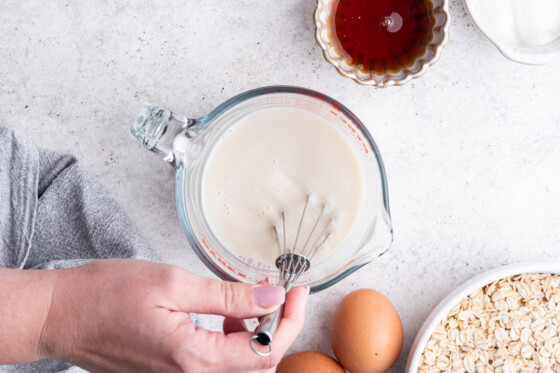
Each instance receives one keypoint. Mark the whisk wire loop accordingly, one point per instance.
(316, 246)
(303, 252)
(300, 224)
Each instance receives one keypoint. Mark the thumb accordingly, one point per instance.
(233, 299)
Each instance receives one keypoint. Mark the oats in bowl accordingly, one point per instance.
(510, 325)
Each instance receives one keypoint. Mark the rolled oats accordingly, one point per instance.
(510, 325)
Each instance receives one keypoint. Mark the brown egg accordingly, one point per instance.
(309, 362)
(366, 332)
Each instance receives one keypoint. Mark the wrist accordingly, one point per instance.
(70, 317)
(60, 323)
(47, 339)
(25, 302)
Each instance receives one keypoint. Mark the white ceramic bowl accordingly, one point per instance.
(443, 308)
(526, 54)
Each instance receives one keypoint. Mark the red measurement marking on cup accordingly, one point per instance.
(316, 107)
(208, 247)
(356, 133)
(220, 260)
(279, 100)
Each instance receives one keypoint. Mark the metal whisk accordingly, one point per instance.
(291, 263)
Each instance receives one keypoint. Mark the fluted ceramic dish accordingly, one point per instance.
(443, 308)
(526, 54)
(324, 22)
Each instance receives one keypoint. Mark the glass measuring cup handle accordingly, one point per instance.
(156, 129)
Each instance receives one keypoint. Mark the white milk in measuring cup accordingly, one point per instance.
(268, 163)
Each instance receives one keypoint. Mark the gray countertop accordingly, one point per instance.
(472, 149)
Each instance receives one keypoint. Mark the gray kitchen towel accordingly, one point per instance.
(54, 214)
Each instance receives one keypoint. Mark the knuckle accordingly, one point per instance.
(229, 295)
(169, 279)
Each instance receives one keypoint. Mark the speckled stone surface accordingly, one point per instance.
(472, 149)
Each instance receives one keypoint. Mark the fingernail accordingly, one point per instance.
(268, 296)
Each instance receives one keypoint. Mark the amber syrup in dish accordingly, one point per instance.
(383, 36)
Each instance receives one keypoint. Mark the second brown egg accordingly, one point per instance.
(366, 332)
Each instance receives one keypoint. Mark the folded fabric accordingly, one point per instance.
(54, 214)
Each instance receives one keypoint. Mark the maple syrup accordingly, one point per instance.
(383, 36)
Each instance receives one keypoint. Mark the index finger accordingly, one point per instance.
(292, 320)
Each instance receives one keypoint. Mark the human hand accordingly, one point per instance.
(133, 316)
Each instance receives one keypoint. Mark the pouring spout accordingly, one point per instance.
(156, 129)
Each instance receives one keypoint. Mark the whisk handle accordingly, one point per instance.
(266, 330)
(268, 325)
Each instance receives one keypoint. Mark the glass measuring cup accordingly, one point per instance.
(187, 143)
